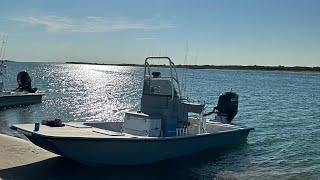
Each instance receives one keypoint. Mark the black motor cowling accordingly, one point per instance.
(24, 82)
(227, 105)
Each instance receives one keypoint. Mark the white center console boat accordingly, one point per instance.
(162, 129)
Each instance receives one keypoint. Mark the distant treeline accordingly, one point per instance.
(226, 67)
(7, 61)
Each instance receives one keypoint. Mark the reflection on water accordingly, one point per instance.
(80, 92)
(283, 107)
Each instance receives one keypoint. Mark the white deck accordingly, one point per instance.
(72, 130)
(87, 131)
(14, 94)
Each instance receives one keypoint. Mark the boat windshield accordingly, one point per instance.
(165, 82)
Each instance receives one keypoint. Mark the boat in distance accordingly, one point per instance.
(166, 126)
(23, 95)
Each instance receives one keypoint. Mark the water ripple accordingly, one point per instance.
(282, 107)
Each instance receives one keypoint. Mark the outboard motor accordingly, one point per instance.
(24, 82)
(227, 107)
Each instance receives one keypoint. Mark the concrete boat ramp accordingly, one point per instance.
(15, 156)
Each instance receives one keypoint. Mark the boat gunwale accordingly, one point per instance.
(134, 138)
(19, 95)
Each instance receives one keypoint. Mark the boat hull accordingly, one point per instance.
(111, 151)
(7, 101)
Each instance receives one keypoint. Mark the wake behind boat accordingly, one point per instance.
(167, 126)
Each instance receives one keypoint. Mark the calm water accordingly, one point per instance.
(283, 107)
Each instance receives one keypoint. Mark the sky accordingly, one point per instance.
(214, 32)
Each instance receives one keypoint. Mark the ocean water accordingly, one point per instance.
(283, 107)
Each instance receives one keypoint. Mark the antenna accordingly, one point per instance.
(195, 58)
(3, 49)
(184, 82)
(2, 64)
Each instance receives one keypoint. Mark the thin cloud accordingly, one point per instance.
(145, 38)
(92, 24)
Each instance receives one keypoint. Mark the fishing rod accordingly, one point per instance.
(3, 66)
